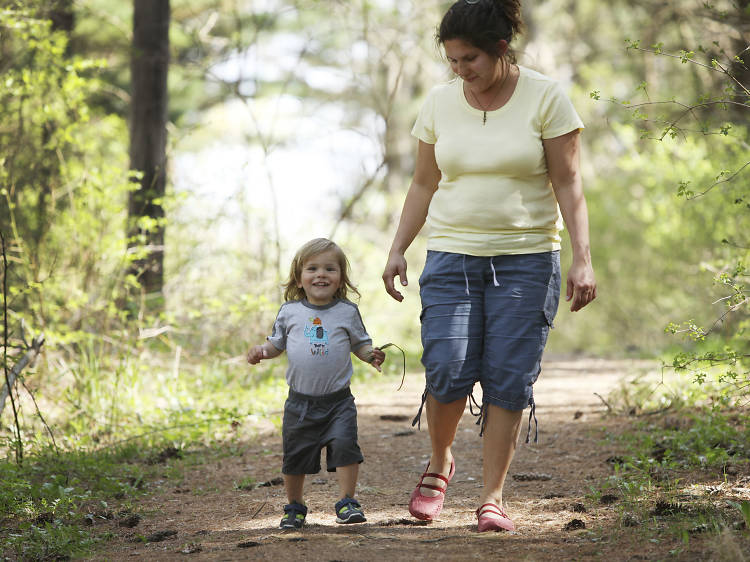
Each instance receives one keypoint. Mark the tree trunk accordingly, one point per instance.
(148, 139)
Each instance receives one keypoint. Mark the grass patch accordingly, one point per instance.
(51, 502)
(684, 473)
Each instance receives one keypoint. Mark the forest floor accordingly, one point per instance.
(200, 511)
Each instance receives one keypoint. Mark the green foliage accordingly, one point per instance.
(130, 416)
(148, 393)
(50, 541)
(666, 474)
(667, 157)
(64, 186)
(744, 508)
(709, 440)
(46, 502)
(246, 483)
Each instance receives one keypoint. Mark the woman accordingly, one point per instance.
(497, 163)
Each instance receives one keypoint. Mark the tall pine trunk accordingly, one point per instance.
(148, 139)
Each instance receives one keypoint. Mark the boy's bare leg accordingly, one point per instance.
(294, 484)
(347, 476)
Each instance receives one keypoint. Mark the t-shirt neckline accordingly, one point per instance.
(465, 103)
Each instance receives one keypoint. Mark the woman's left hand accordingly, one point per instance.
(581, 285)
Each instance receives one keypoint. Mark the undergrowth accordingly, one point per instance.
(49, 503)
(686, 467)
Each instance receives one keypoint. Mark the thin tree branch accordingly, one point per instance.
(347, 210)
(682, 58)
(41, 417)
(8, 381)
(717, 182)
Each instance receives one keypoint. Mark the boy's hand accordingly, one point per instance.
(255, 354)
(376, 357)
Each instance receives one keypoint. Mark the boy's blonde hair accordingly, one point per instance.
(312, 248)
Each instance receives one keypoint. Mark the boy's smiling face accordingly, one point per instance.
(320, 278)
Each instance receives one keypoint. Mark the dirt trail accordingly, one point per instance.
(215, 521)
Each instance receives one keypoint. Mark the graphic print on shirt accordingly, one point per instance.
(318, 336)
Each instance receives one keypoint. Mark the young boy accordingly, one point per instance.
(319, 329)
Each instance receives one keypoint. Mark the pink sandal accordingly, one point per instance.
(487, 523)
(427, 508)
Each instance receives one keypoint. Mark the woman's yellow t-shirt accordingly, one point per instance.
(495, 196)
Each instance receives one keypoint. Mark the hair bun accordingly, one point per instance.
(511, 10)
(483, 23)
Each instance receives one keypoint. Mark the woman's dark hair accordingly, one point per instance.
(482, 23)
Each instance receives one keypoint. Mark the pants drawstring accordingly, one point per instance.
(481, 414)
(466, 277)
(494, 275)
(482, 421)
(473, 402)
(418, 418)
(536, 423)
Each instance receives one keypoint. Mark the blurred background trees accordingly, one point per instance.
(289, 119)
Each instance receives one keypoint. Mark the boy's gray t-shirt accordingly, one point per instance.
(318, 341)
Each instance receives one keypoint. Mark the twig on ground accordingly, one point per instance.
(257, 511)
(655, 412)
(599, 396)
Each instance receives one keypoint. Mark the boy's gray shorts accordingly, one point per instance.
(313, 422)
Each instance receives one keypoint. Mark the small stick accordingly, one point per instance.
(609, 408)
(258, 510)
(403, 356)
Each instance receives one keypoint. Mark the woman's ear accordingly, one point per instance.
(502, 47)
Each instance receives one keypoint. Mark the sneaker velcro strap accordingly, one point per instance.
(344, 502)
(295, 508)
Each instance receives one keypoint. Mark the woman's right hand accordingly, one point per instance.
(422, 188)
(396, 265)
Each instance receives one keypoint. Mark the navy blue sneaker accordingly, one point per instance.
(348, 510)
(294, 516)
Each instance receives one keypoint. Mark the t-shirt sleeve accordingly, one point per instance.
(358, 335)
(278, 334)
(424, 127)
(558, 116)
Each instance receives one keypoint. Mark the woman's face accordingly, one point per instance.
(477, 68)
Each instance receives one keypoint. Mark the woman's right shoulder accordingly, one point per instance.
(439, 94)
(442, 89)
